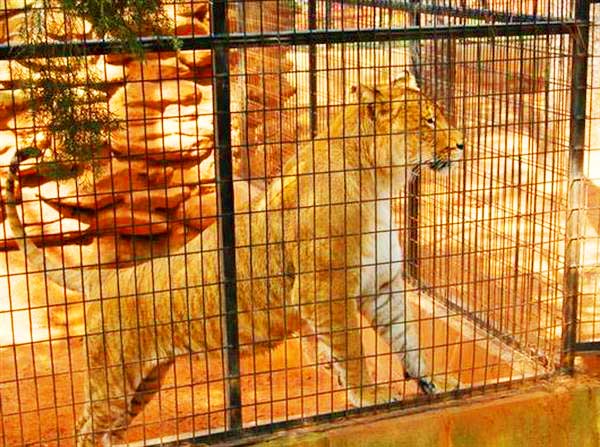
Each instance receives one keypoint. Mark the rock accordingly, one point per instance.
(110, 73)
(190, 27)
(157, 199)
(198, 211)
(61, 26)
(196, 58)
(8, 143)
(46, 225)
(69, 193)
(188, 18)
(199, 10)
(196, 175)
(173, 139)
(157, 67)
(120, 58)
(12, 101)
(157, 176)
(122, 176)
(10, 29)
(126, 221)
(167, 120)
(21, 122)
(54, 239)
(63, 231)
(11, 72)
(271, 90)
(12, 6)
(202, 110)
(33, 212)
(276, 58)
(147, 99)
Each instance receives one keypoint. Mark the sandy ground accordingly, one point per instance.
(41, 384)
(42, 396)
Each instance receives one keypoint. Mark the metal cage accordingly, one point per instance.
(499, 256)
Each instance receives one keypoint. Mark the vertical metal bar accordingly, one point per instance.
(415, 45)
(328, 8)
(414, 185)
(412, 244)
(312, 67)
(224, 180)
(580, 40)
(449, 94)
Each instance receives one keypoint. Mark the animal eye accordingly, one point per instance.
(430, 120)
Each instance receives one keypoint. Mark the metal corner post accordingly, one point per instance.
(312, 67)
(414, 185)
(580, 41)
(225, 203)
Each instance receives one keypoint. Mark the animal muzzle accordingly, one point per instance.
(445, 157)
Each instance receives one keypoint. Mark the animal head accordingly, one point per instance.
(408, 128)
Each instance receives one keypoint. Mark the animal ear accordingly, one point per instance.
(366, 96)
(407, 80)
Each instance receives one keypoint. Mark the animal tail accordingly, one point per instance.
(67, 278)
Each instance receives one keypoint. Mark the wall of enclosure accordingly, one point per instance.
(500, 253)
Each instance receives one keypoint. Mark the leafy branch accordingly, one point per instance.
(67, 97)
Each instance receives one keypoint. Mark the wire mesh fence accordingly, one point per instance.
(307, 209)
(588, 318)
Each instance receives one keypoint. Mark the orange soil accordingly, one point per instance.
(41, 387)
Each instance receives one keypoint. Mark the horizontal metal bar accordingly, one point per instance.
(484, 14)
(252, 435)
(305, 37)
(587, 348)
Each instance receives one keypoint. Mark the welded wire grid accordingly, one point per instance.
(484, 245)
(589, 330)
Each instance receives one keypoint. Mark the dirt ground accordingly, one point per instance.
(41, 383)
(43, 396)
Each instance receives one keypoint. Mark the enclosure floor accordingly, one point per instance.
(41, 384)
(41, 398)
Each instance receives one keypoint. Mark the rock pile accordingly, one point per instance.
(155, 188)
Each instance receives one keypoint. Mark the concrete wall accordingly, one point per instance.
(564, 412)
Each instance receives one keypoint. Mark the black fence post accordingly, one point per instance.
(580, 42)
(312, 67)
(414, 184)
(225, 204)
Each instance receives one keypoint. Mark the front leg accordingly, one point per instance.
(335, 320)
(387, 313)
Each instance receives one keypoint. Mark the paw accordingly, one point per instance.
(86, 440)
(443, 384)
(427, 387)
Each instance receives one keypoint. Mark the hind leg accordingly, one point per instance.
(116, 390)
(105, 413)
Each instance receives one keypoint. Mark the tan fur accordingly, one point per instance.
(319, 250)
